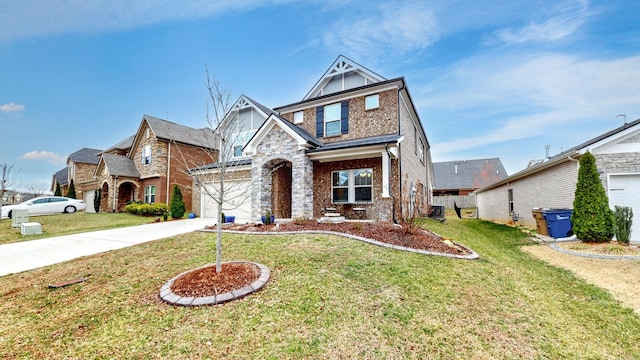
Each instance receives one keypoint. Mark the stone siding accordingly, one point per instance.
(275, 148)
(619, 163)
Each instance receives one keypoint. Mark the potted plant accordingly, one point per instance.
(268, 218)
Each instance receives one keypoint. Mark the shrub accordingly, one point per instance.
(146, 209)
(624, 220)
(71, 193)
(96, 200)
(592, 219)
(177, 204)
(58, 191)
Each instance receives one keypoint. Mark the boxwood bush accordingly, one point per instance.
(147, 209)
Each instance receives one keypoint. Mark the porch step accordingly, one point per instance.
(331, 214)
(332, 219)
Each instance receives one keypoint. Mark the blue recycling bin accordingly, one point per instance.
(558, 222)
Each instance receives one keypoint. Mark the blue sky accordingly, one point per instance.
(489, 78)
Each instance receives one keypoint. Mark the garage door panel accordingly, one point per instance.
(624, 190)
(238, 201)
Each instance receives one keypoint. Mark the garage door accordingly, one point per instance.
(88, 201)
(238, 201)
(624, 190)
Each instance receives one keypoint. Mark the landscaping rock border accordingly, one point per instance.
(557, 248)
(170, 297)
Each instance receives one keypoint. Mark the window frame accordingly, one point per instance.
(351, 186)
(146, 155)
(510, 201)
(150, 194)
(298, 117)
(338, 120)
(366, 102)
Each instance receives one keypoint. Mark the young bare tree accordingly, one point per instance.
(215, 167)
(37, 189)
(8, 179)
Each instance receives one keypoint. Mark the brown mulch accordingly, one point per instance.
(206, 282)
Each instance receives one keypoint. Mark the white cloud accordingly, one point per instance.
(11, 107)
(566, 20)
(399, 28)
(29, 18)
(516, 97)
(48, 156)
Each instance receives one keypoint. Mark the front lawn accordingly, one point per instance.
(65, 224)
(329, 297)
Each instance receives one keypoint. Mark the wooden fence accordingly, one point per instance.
(463, 201)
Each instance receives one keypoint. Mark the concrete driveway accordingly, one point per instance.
(27, 255)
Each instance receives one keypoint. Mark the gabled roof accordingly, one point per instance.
(85, 155)
(245, 102)
(303, 138)
(62, 176)
(467, 174)
(229, 164)
(123, 144)
(348, 73)
(564, 156)
(118, 165)
(170, 131)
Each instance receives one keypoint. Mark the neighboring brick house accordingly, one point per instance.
(146, 166)
(552, 183)
(466, 176)
(80, 168)
(354, 143)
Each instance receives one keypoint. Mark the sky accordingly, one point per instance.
(489, 78)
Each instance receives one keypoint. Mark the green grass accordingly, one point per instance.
(329, 297)
(64, 224)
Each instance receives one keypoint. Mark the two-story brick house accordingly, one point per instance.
(354, 143)
(80, 167)
(146, 166)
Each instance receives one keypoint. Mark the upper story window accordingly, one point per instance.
(352, 186)
(146, 133)
(420, 150)
(298, 117)
(332, 119)
(146, 155)
(371, 102)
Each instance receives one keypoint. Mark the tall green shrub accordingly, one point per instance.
(177, 204)
(592, 219)
(624, 220)
(96, 199)
(71, 193)
(58, 191)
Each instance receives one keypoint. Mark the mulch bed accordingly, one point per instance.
(207, 282)
(420, 239)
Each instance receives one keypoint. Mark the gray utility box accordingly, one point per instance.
(31, 228)
(19, 216)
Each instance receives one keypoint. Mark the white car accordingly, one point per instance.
(45, 205)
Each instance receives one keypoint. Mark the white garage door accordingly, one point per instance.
(88, 201)
(238, 201)
(624, 190)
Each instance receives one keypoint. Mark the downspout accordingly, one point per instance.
(168, 172)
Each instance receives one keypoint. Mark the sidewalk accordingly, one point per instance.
(27, 255)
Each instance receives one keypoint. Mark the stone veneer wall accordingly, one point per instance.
(278, 146)
(619, 163)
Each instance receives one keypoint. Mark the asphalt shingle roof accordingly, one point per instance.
(466, 174)
(373, 140)
(85, 155)
(168, 130)
(120, 165)
(62, 176)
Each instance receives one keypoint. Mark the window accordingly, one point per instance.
(150, 194)
(298, 117)
(352, 186)
(371, 102)
(146, 155)
(510, 195)
(420, 150)
(332, 119)
(240, 140)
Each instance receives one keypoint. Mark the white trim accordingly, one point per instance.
(341, 66)
(386, 173)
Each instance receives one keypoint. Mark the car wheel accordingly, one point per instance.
(70, 209)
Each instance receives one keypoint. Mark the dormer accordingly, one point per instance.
(242, 121)
(343, 74)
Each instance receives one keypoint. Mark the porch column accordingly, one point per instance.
(386, 165)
